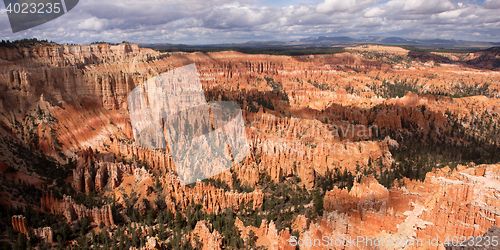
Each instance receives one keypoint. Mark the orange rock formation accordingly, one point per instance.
(448, 203)
(19, 224)
(210, 240)
(72, 211)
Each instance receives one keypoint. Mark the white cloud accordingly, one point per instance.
(92, 23)
(492, 4)
(329, 6)
(450, 14)
(418, 6)
(427, 6)
(225, 21)
(374, 12)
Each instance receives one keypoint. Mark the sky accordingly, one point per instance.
(229, 21)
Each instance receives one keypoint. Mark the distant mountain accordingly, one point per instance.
(419, 43)
(326, 41)
(162, 45)
(386, 40)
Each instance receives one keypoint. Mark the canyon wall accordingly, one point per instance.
(448, 203)
(304, 116)
(45, 234)
(72, 211)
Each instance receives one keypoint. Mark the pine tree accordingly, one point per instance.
(318, 203)
(135, 238)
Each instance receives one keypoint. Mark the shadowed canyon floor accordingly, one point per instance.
(376, 142)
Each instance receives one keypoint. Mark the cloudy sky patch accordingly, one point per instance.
(229, 21)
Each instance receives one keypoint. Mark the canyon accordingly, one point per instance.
(352, 116)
